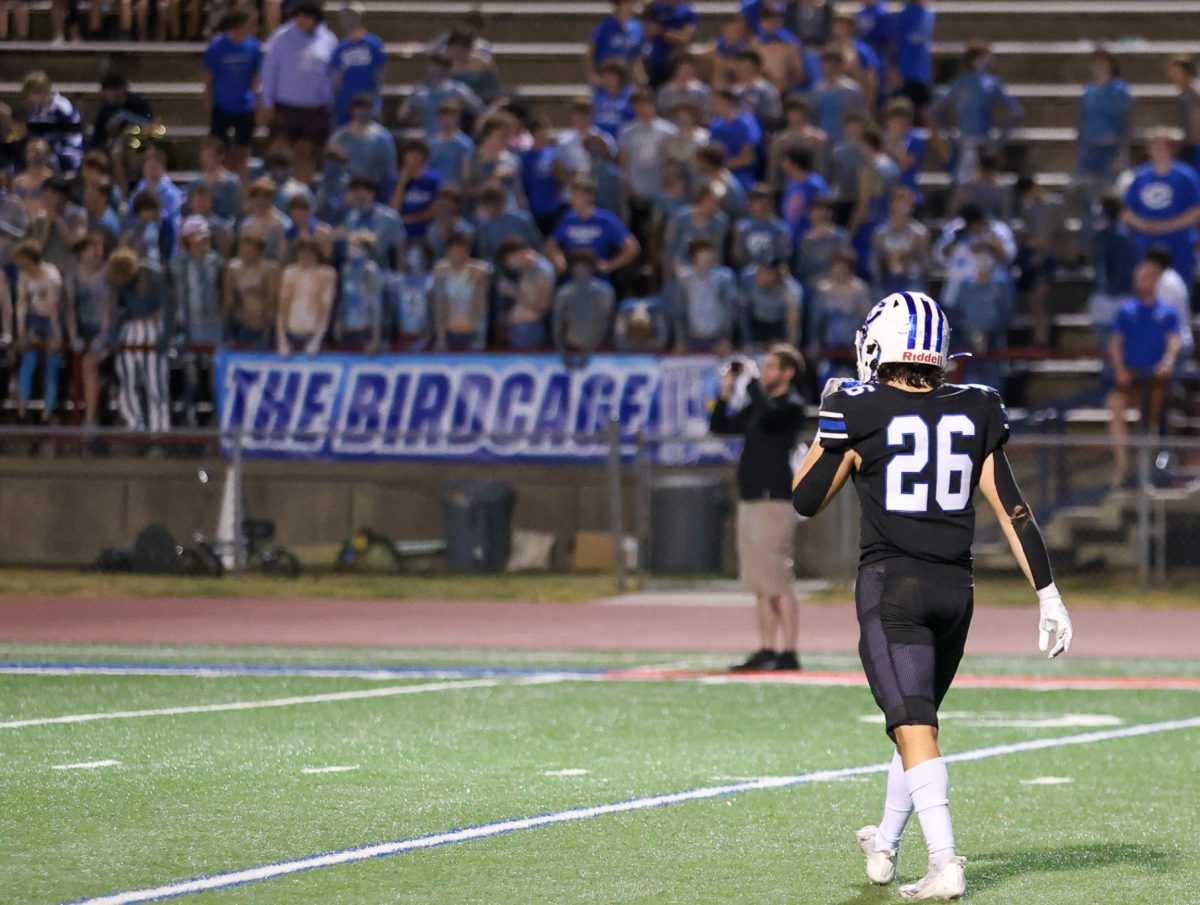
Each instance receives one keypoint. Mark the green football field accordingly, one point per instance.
(227, 775)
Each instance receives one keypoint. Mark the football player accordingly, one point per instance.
(916, 448)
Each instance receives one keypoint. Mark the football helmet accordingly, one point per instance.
(905, 327)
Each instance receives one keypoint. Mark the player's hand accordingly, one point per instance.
(1054, 627)
(833, 384)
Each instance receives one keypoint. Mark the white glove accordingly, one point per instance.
(833, 384)
(1054, 623)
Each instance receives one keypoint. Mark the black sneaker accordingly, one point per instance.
(786, 660)
(758, 661)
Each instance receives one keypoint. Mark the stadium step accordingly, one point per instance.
(1064, 20)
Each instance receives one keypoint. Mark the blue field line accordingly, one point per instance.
(487, 830)
(49, 667)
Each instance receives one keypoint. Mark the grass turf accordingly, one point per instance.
(203, 793)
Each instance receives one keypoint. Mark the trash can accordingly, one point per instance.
(687, 524)
(477, 525)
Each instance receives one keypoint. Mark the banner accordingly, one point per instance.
(483, 407)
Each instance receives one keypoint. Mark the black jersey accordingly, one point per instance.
(922, 453)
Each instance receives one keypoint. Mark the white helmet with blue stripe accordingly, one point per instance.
(907, 327)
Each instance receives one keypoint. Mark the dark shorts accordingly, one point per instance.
(240, 124)
(913, 618)
(301, 123)
(1031, 271)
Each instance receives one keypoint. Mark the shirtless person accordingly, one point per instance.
(251, 295)
(306, 298)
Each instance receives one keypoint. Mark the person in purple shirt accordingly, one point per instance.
(617, 37)
(610, 98)
(232, 63)
(416, 188)
(912, 52)
(297, 89)
(670, 26)
(586, 226)
(739, 134)
(1142, 351)
(357, 63)
(1162, 204)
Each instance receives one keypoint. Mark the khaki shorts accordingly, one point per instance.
(766, 538)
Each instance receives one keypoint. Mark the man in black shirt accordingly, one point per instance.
(121, 108)
(771, 422)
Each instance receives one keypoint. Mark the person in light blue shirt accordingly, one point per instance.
(835, 96)
(358, 321)
(912, 52)
(761, 236)
(370, 148)
(905, 144)
(670, 26)
(703, 302)
(357, 64)
(450, 147)
(1105, 122)
(409, 318)
(437, 88)
(1162, 205)
(331, 188)
(967, 107)
(363, 212)
(619, 36)
(702, 219)
(497, 221)
(739, 134)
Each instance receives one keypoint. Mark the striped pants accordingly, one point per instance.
(144, 399)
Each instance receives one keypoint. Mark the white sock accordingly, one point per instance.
(929, 786)
(896, 808)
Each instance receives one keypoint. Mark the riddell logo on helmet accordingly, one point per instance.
(925, 358)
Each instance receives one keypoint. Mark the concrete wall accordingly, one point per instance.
(64, 511)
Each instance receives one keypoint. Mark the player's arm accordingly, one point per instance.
(820, 477)
(999, 486)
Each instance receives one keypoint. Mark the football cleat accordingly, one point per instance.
(881, 866)
(942, 885)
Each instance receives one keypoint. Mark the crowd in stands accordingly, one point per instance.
(702, 198)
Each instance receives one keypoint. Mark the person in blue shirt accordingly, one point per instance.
(1162, 204)
(785, 60)
(670, 27)
(912, 52)
(619, 36)
(357, 64)
(1142, 350)
(801, 188)
(416, 188)
(232, 63)
(542, 177)
(1114, 257)
(586, 226)
(739, 134)
(967, 108)
(409, 318)
(874, 24)
(611, 108)
(861, 63)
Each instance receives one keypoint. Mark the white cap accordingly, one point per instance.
(194, 226)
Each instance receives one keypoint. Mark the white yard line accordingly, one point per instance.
(487, 830)
(332, 697)
(87, 765)
(315, 770)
